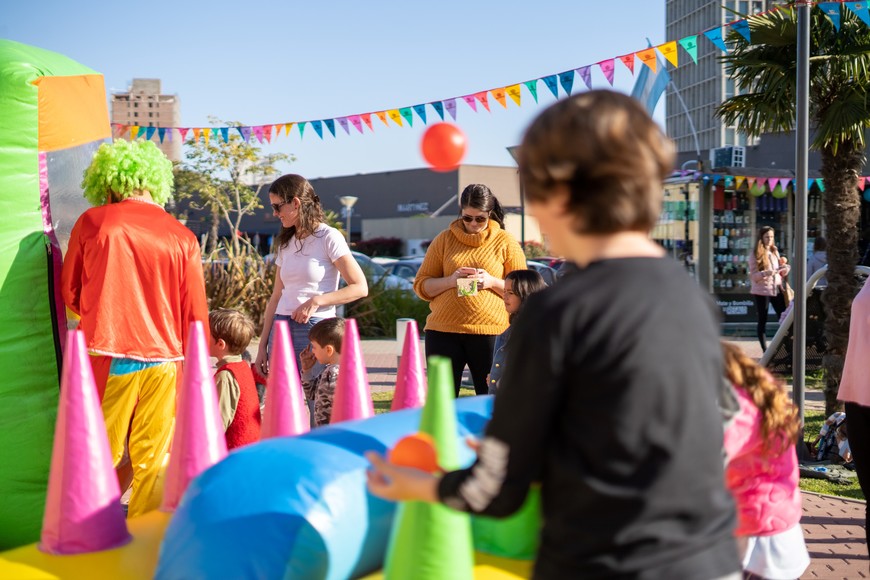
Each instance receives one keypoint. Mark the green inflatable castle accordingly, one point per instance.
(53, 116)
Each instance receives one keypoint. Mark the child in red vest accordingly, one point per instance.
(231, 332)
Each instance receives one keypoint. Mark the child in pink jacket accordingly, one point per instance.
(762, 472)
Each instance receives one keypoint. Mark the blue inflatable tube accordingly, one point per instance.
(296, 507)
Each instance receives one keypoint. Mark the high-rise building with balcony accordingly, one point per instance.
(705, 85)
(145, 106)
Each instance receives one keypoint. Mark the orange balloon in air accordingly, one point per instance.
(443, 146)
(417, 450)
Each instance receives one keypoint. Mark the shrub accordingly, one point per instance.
(376, 314)
(534, 250)
(380, 247)
(241, 280)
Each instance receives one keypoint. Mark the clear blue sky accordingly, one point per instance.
(273, 62)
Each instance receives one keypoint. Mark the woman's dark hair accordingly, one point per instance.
(288, 187)
(481, 198)
(820, 244)
(525, 283)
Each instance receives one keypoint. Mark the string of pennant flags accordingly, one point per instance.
(401, 116)
(762, 184)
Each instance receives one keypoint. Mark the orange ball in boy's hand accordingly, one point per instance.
(417, 450)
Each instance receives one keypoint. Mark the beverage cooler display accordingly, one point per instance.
(732, 241)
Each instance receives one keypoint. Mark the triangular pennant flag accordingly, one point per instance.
(469, 100)
(267, 132)
(421, 112)
(258, 133)
(607, 67)
(761, 182)
(861, 183)
(356, 121)
(742, 27)
(481, 96)
(367, 119)
(330, 124)
(669, 51)
(382, 115)
(585, 73)
(772, 183)
(715, 36)
(552, 83)
(533, 88)
(566, 79)
(149, 132)
(134, 131)
(278, 127)
(832, 11)
(396, 116)
(318, 128)
(690, 45)
(195, 134)
(750, 182)
(246, 133)
(450, 105)
(439, 108)
(821, 184)
(206, 135)
(408, 115)
(738, 181)
(342, 121)
(161, 132)
(515, 93)
(287, 127)
(628, 61)
(499, 95)
(648, 57)
(729, 181)
(225, 133)
(302, 128)
(810, 183)
(183, 132)
(861, 11)
(716, 178)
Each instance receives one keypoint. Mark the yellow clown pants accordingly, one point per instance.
(139, 410)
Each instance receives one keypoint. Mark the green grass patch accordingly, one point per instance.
(383, 400)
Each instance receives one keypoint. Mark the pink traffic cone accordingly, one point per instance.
(199, 440)
(410, 379)
(83, 510)
(286, 412)
(353, 397)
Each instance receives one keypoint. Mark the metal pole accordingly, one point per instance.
(800, 240)
(350, 209)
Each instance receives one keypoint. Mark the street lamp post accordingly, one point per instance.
(347, 201)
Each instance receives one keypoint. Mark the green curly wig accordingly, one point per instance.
(122, 168)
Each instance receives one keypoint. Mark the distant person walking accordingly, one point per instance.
(818, 260)
(767, 270)
(475, 251)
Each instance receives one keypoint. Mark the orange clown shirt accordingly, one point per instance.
(134, 275)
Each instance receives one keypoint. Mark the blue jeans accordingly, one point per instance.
(299, 337)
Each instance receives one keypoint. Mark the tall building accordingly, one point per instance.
(145, 106)
(705, 85)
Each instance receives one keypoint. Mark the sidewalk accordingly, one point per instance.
(833, 527)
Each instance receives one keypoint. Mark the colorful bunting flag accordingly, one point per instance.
(343, 122)
(149, 132)
(648, 57)
(469, 100)
(267, 132)
(585, 73)
(439, 108)
(499, 95)
(515, 93)
(481, 96)
(196, 134)
(566, 79)
(738, 180)
(669, 51)
(861, 11)
(161, 132)
(318, 128)
(382, 115)
(367, 119)
(607, 67)
(408, 115)
(356, 122)
(183, 131)
(450, 105)
(741, 27)
(287, 127)
(715, 36)
(258, 133)
(628, 61)
(396, 116)
(533, 88)
(205, 136)
(421, 112)
(552, 84)
(690, 45)
(225, 133)
(330, 124)
(832, 11)
(302, 128)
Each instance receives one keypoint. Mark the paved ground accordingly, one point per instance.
(833, 527)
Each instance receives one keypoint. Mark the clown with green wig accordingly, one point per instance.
(133, 274)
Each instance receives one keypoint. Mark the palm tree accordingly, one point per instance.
(765, 71)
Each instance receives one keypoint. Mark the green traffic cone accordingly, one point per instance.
(432, 541)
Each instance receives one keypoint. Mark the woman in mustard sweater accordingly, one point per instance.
(467, 316)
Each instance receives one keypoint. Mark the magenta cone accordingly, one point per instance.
(286, 412)
(353, 398)
(410, 379)
(199, 440)
(83, 510)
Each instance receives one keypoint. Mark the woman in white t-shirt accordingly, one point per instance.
(310, 258)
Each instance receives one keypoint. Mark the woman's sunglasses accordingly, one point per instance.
(471, 218)
(277, 206)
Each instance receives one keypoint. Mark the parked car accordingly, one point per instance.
(546, 272)
(406, 268)
(375, 273)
